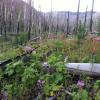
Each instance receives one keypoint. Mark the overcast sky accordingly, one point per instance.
(66, 5)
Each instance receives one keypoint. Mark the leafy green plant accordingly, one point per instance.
(14, 68)
(1, 74)
(29, 76)
(81, 32)
(55, 81)
(97, 95)
(86, 59)
(97, 84)
(59, 45)
(22, 79)
(80, 95)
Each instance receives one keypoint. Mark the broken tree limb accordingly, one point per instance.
(67, 92)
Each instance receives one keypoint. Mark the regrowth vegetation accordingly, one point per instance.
(37, 69)
(43, 75)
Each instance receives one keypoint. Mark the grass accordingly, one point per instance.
(69, 46)
(71, 49)
(28, 77)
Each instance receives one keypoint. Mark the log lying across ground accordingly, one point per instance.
(92, 69)
(2, 64)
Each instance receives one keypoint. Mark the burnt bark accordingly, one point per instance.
(91, 19)
(50, 20)
(77, 20)
(4, 21)
(68, 23)
(57, 26)
(85, 20)
(30, 20)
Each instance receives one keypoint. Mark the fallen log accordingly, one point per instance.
(2, 64)
(36, 39)
(91, 69)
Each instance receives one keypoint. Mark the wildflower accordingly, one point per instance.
(4, 95)
(45, 64)
(40, 83)
(80, 83)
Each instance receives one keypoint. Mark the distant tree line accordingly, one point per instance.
(16, 16)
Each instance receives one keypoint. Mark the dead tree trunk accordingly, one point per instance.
(18, 21)
(77, 20)
(40, 21)
(4, 21)
(30, 20)
(68, 23)
(10, 17)
(91, 19)
(50, 20)
(85, 20)
(0, 19)
(57, 27)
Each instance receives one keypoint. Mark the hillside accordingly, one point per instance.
(15, 17)
(61, 18)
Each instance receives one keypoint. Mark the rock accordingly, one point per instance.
(28, 49)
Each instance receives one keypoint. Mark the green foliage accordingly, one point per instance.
(59, 44)
(81, 32)
(81, 95)
(20, 78)
(98, 27)
(55, 57)
(86, 59)
(1, 74)
(97, 58)
(97, 95)
(29, 76)
(97, 84)
(60, 67)
(10, 89)
(11, 53)
(51, 85)
(14, 68)
(55, 81)
(23, 38)
(74, 57)
(20, 39)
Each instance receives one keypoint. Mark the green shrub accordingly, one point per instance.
(81, 32)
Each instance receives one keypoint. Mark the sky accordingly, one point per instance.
(65, 5)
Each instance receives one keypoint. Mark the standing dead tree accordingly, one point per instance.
(17, 16)
(85, 19)
(18, 22)
(33, 19)
(77, 20)
(91, 19)
(68, 23)
(57, 23)
(0, 18)
(10, 18)
(50, 20)
(40, 21)
(4, 19)
(30, 19)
